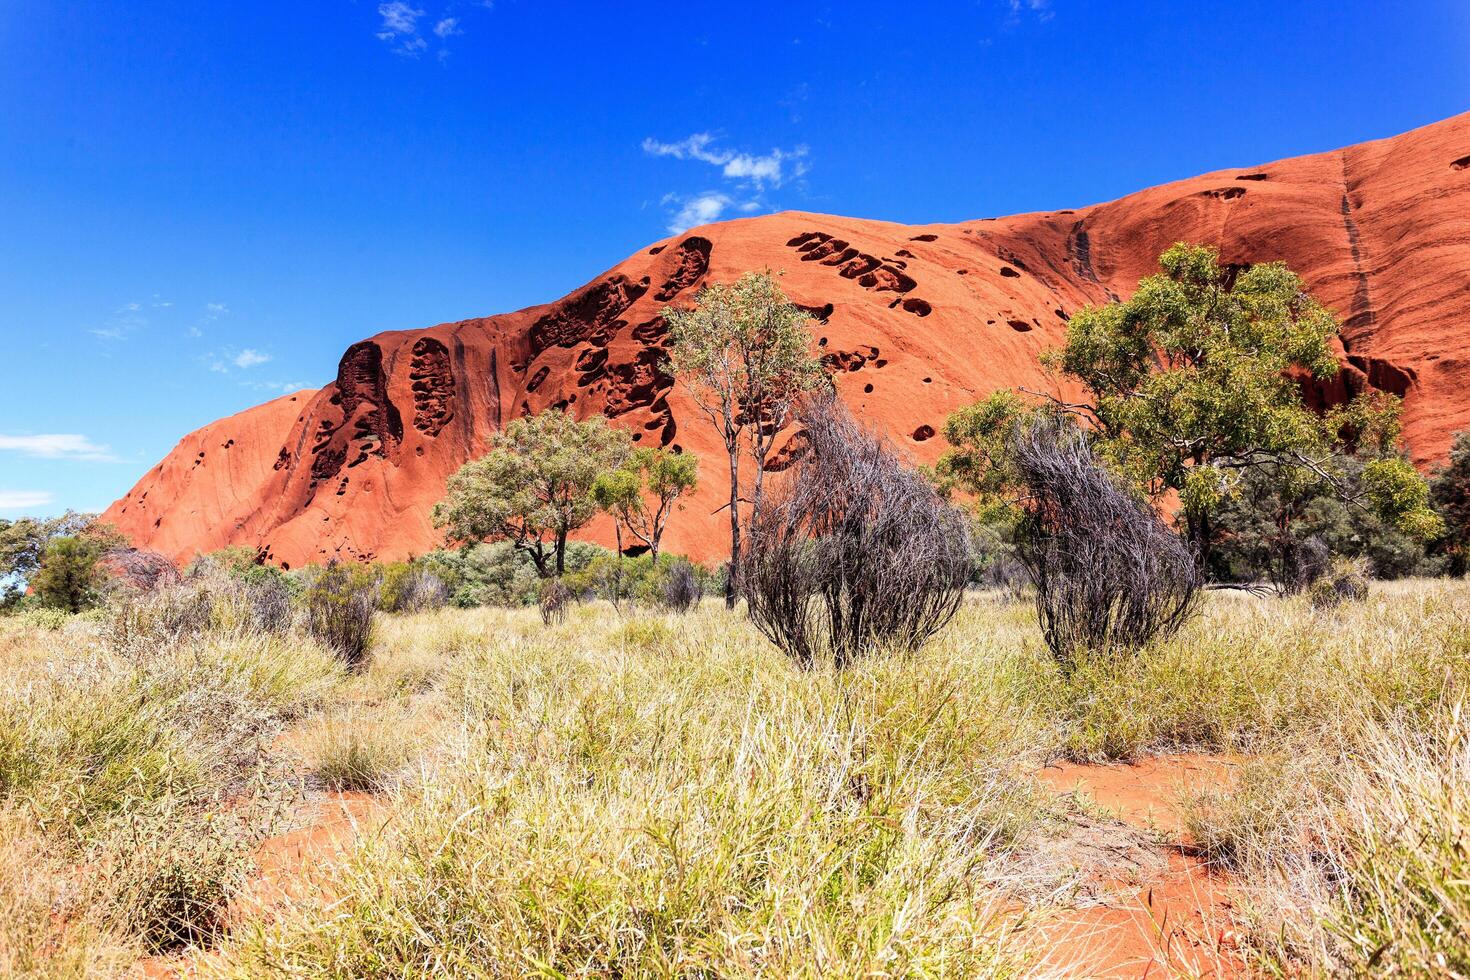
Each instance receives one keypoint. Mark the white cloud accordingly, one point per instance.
(24, 499)
(249, 358)
(773, 168)
(59, 445)
(284, 387)
(702, 209)
(1041, 8)
(122, 322)
(399, 17)
(212, 312)
(400, 28)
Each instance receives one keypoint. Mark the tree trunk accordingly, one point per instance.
(1200, 532)
(538, 558)
(618, 574)
(561, 553)
(731, 580)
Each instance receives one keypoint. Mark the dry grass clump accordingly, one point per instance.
(1405, 845)
(141, 774)
(1346, 580)
(700, 811)
(45, 932)
(1251, 673)
(660, 794)
(351, 751)
(166, 871)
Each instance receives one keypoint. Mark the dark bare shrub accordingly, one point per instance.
(337, 610)
(857, 550)
(681, 587)
(137, 570)
(269, 601)
(553, 599)
(1108, 574)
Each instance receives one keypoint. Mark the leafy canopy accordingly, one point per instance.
(743, 354)
(624, 492)
(534, 487)
(1450, 490)
(1191, 383)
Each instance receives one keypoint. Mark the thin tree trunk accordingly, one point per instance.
(618, 578)
(731, 580)
(538, 558)
(561, 553)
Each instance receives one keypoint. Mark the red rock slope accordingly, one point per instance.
(916, 320)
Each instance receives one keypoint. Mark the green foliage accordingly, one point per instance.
(338, 602)
(1450, 494)
(69, 577)
(743, 355)
(1192, 385)
(641, 579)
(1274, 523)
(624, 492)
(409, 586)
(534, 487)
(744, 352)
(498, 574)
(23, 542)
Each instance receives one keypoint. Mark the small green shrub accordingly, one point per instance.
(406, 586)
(1345, 581)
(338, 605)
(41, 618)
(69, 578)
(496, 574)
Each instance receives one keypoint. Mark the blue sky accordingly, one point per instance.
(202, 205)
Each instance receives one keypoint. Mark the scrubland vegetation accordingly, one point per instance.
(843, 777)
(660, 794)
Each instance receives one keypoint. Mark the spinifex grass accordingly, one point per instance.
(652, 795)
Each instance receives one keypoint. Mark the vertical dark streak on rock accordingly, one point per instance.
(1362, 314)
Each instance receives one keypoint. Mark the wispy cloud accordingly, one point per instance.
(213, 312)
(400, 28)
(774, 168)
(749, 175)
(24, 499)
(249, 358)
(702, 209)
(408, 29)
(1040, 9)
(282, 387)
(121, 323)
(68, 445)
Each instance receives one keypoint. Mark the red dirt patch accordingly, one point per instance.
(287, 868)
(1173, 920)
(1145, 793)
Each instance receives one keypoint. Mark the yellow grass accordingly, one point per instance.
(657, 795)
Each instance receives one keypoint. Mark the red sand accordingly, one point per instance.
(1176, 921)
(288, 867)
(915, 321)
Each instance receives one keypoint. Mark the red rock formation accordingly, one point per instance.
(914, 321)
